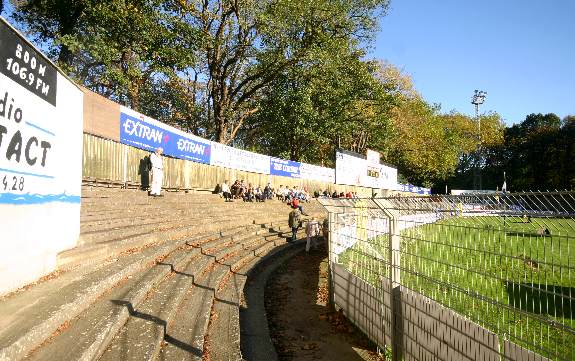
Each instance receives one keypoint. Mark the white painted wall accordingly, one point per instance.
(40, 162)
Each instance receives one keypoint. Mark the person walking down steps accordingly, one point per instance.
(294, 221)
(312, 232)
(157, 172)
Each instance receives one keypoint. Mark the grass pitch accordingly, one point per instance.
(503, 273)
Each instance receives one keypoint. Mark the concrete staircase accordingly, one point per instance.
(152, 279)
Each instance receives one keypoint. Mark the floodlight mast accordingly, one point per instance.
(478, 99)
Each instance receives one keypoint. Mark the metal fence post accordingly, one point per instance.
(395, 273)
(330, 259)
(395, 278)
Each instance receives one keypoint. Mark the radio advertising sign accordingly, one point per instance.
(40, 160)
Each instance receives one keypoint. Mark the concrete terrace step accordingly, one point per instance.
(148, 323)
(144, 220)
(93, 253)
(134, 220)
(88, 334)
(107, 242)
(127, 199)
(165, 212)
(189, 328)
(146, 288)
(223, 334)
(29, 317)
(98, 324)
(151, 322)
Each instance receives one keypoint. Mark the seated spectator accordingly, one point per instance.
(334, 194)
(226, 191)
(304, 195)
(243, 189)
(235, 189)
(326, 194)
(259, 195)
(341, 195)
(248, 194)
(280, 193)
(268, 191)
(289, 194)
(316, 194)
(348, 195)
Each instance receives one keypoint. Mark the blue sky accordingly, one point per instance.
(521, 52)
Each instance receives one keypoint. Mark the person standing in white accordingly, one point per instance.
(157, 172)
(312, 232)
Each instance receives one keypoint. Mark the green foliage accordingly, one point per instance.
(539, 154)
(536, 154)
(332, 101)
(288, 78)
(496, 271)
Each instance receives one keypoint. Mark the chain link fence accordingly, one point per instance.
(478, 277)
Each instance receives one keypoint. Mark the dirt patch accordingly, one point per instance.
(301, 325)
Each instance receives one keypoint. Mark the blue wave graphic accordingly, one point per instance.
(12, 198)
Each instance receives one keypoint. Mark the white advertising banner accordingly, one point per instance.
(355, 170)
(349, 169)
(314, 172)
(387, 177)
(239, 159)
(373, 157)
(40, 161)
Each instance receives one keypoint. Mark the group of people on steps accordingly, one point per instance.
(295, 221)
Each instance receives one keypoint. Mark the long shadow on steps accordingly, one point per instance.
(173, 270)
(180, 344)
(195, 285)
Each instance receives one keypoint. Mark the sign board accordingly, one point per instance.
(373, 157)
(350, 169)
(144, 132)
(284, 168)
(387, 177)
(317, 173)
(40, 161)
(353, 169)
(239, 159)
(413, 189)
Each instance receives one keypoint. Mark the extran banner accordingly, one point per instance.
(147, 133)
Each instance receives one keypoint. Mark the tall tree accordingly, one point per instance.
(118, 48)
(333, 100)
(537, 153)
(248, 43)
(49, 21)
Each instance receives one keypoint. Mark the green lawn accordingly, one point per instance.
(498, 272)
